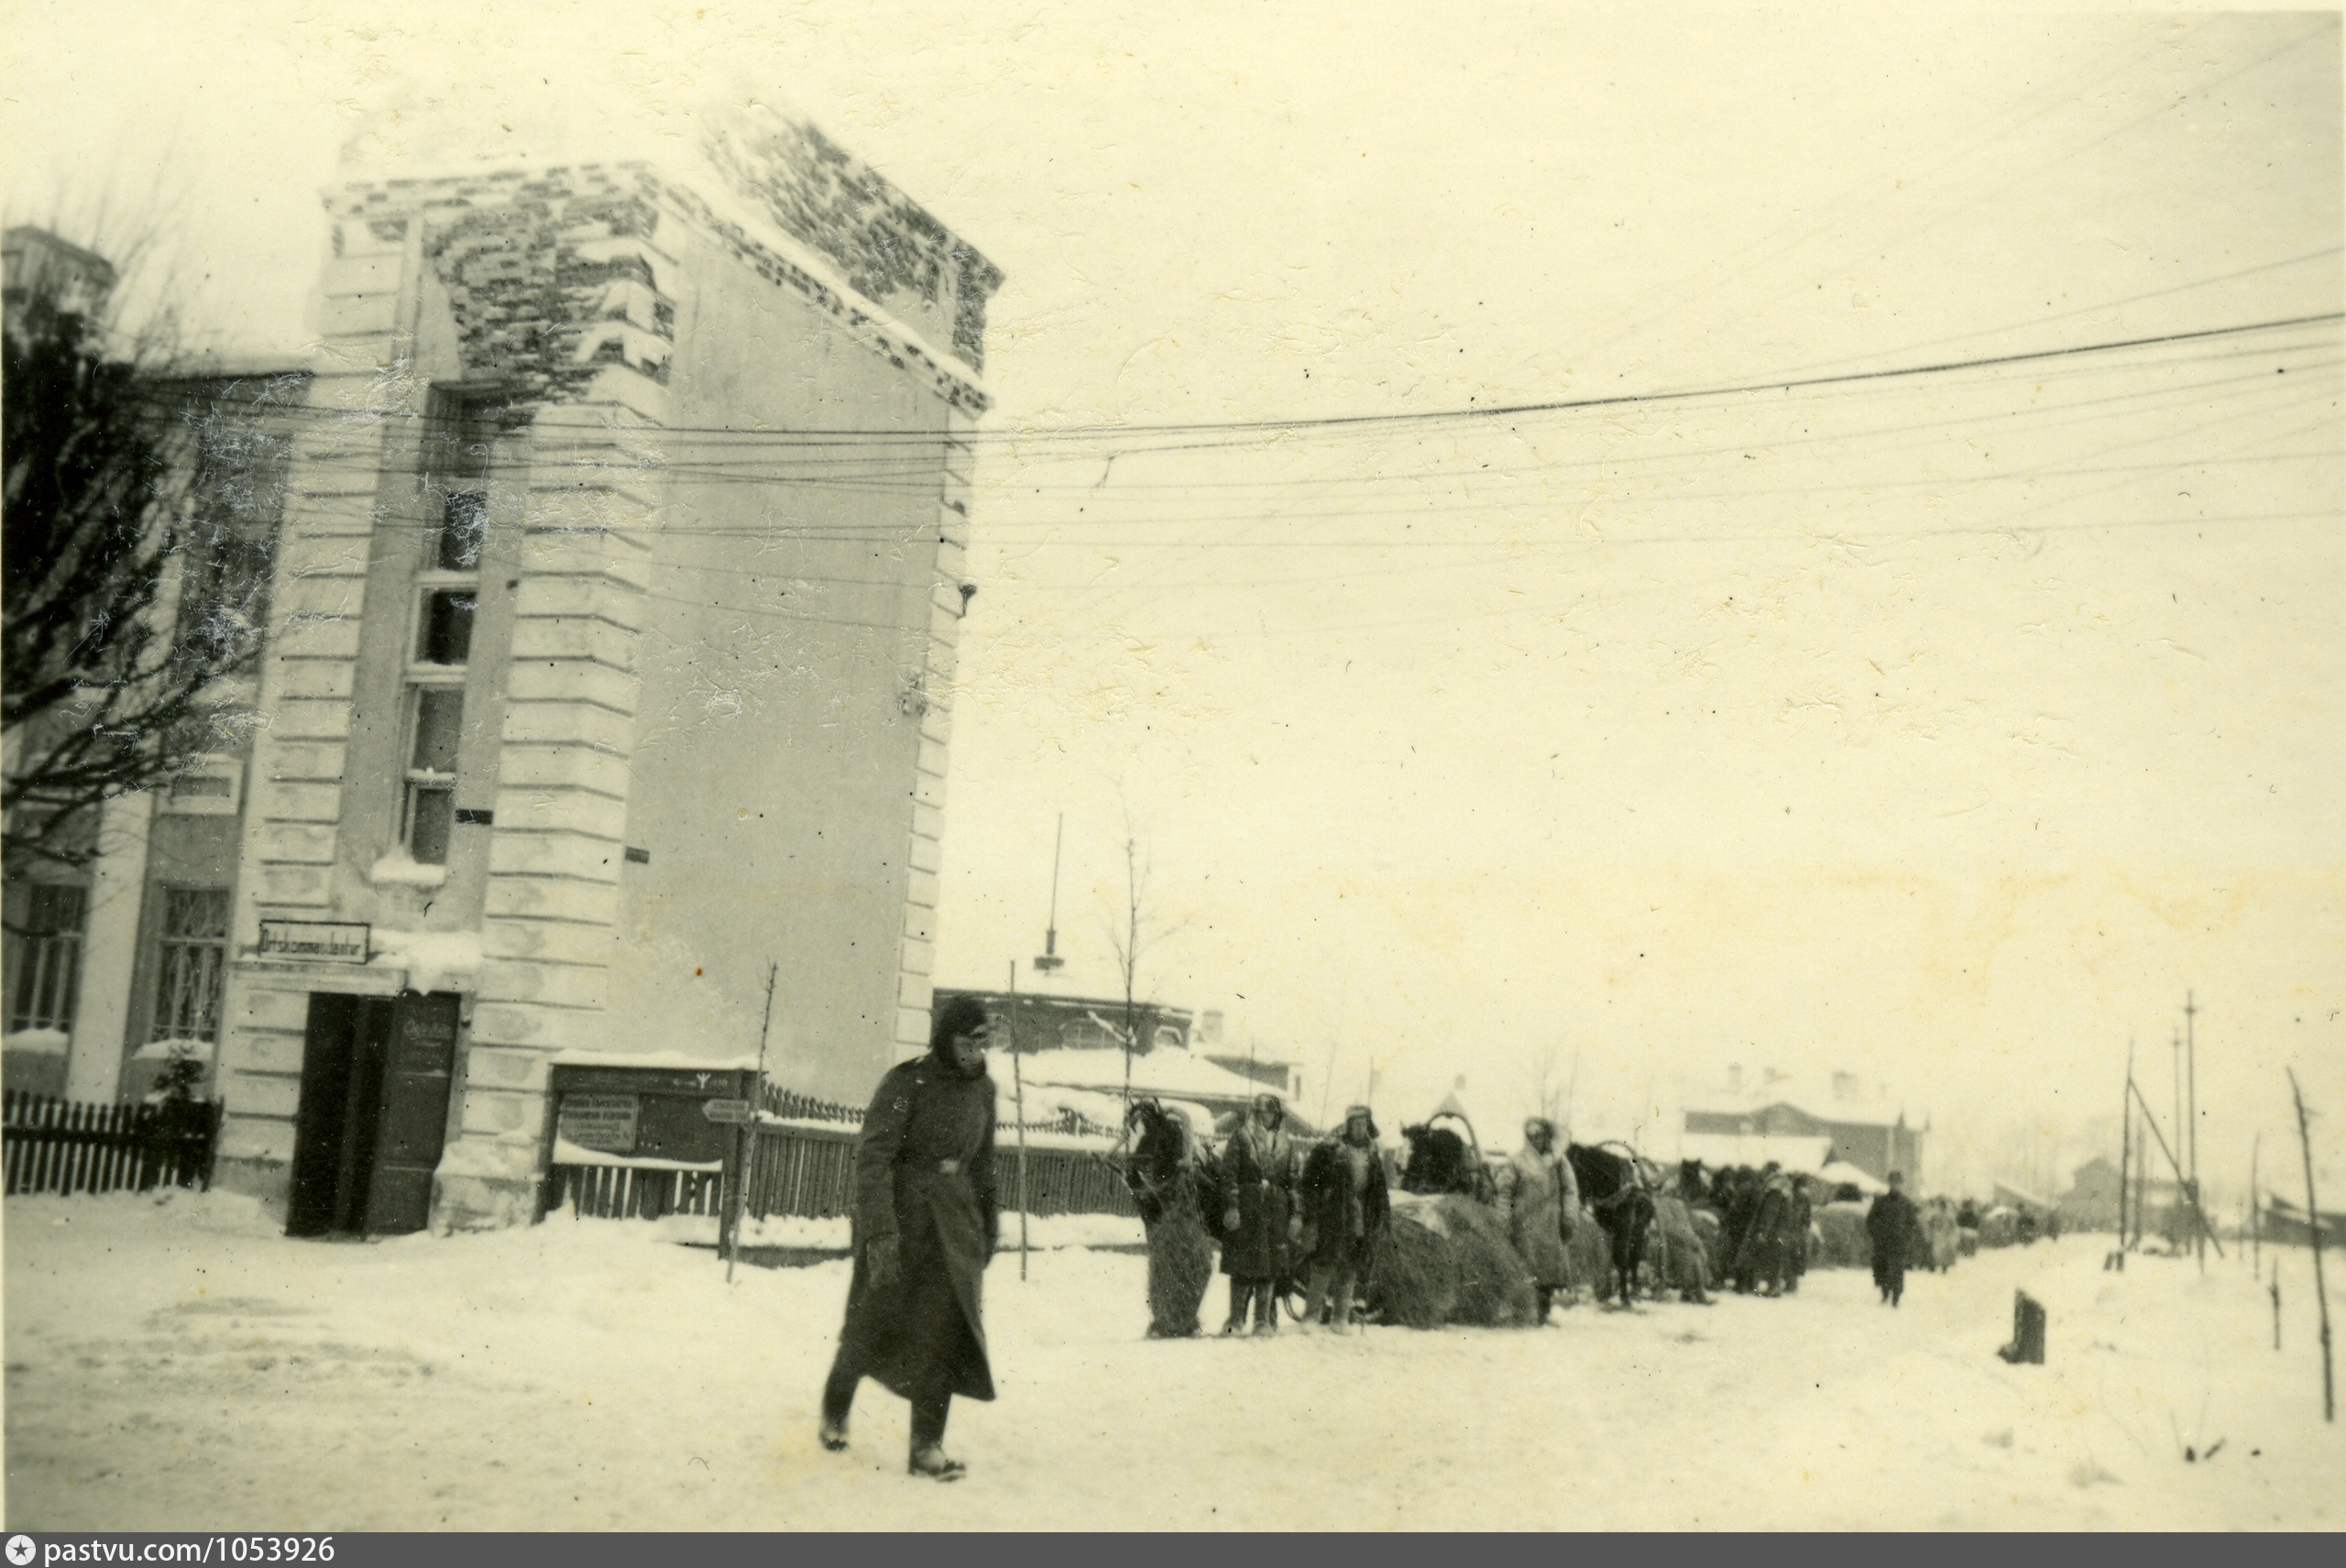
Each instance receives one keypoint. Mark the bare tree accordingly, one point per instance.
(1138, 931)
(1545, 1081)
(117, 476)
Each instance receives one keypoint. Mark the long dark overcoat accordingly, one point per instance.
(1325, 1198)
(1766, 1242)
(923, 1171)
(1890, 1226)
(1258, 1181)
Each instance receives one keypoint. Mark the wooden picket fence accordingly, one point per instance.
(626, 1192)
(810, 1172)
(59, 1146)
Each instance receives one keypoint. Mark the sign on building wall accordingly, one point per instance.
(333, 941)
(604, 1123)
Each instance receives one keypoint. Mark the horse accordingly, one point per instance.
(1613, 1190)
(1683, 1258)
(1440, 1161)
(1167, 1179)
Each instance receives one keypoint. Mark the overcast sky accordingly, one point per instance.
(1942, 728)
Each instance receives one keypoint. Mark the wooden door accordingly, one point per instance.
(412, 1124)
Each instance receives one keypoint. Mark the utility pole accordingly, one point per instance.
(1049, 959)
(1018, 1088)
(2191, 1062)
(2255, 1208)
(2125, 1148)
(2174, 1156)
(2313, 1228)
(746, 1146)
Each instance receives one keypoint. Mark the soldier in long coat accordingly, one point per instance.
(1258, 1220)
(1539, 1200)
(1345, 1208)
(926, 1225)
(1890, 1226)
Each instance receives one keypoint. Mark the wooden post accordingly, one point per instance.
(2313, 1228)
(2142, 1169)
(2175, 1165)
(2255, 1209)
(746, 1135)
(2191, 1068)
(2125, 1150)
(1018, 1088)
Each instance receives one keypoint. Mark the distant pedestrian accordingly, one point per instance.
(1796, 1227)
(925, 1226)
(1767, 1239)
(1345, 1208)
(1259, 1223)
(1539, 1201)
(1892, 1225)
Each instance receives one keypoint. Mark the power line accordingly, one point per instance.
(1120, 436)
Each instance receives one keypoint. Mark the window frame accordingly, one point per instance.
(33, 964)
(170, 946)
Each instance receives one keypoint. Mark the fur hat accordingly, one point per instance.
(962, 1016)
(1272, 1105)
(1366, 1115)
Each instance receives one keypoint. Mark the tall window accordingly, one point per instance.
(191, 952)
(436, 726)
(456, 462)
(456, 458)
(44, 955)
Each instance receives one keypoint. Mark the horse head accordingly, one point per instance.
(1436, 1161)
(1160, 1151)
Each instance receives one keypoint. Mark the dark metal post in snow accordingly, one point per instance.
(2313, 1227)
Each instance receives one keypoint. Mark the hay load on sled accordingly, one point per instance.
(1446, 1257)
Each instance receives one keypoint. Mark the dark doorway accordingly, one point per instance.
(373, 1115)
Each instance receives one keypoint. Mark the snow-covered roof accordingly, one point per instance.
(1801, 1155)
(1841, 1173)
(1847, 1112)
(1165, 1071)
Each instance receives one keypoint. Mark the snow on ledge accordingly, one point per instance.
(567, 1152)
(164, 1050)
(38, 1042)
(400, 869)
(669, 1059)
(434, 960)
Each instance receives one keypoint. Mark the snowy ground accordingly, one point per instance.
(182, 1367)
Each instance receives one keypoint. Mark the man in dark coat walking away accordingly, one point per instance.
(1258, 1221)
(1344, 1207)
(1892, 1225)
(925, 1225)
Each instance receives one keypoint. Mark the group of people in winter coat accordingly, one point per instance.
(1290, 1212)
(926, 1221)
(1767, 1214)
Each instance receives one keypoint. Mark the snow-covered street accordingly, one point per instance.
(178, 1365)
